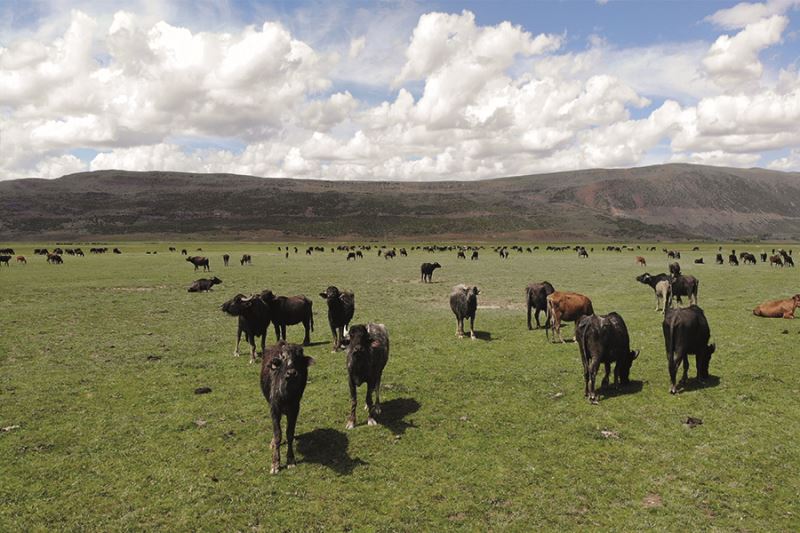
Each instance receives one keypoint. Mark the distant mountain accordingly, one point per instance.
(674, 201)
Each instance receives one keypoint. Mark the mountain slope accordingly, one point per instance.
(659, 202)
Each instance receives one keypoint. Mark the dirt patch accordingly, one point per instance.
(651, 501)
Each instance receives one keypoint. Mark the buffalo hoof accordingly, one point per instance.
(377, 410)
(290, 465)
(236, 354)
(673, 390)
(594, 401)
(350, 424)
(275, 469)
(371, 422)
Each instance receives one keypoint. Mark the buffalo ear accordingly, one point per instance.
(310, 360)
(712, 348)
(275, 363)
(634, 355)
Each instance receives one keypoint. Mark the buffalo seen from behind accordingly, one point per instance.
(536, 298)
(199, 261)
(204, 285)
(367, 354)
(341, 307)
(284, 374)
(686, 332)
(464, 304)
(604, 339)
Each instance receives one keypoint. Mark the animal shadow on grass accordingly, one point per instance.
(394, 411)
(328, 447)
(693, 384)
(483, 336)
(318, 343)
(633, 386)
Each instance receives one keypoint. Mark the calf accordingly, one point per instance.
(664, 294)
(686, 332)
(254, 318)
(5, 259)
(568, 307)
(778, 308)
(604, 339)
(284, 374)
(288, 311)
(225, 259)
(341, 307)
(464, 303)
(198, 262)
(536, 298)
(204, 285)
(640, 261)
(426, 271)
(367, 354)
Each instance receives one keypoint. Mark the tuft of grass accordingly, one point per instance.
(100, 358)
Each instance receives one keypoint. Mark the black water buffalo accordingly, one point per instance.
(284, 374)
(474, 256)
(686, 332)
(351, 255)
(698, 261)
(117, 251)
(748, 258)
(225, 259)
(426, 271)
(5, 259)
(763, 257)
(367, 354)
(720, 260)
(204, 285)
(464, 303)
(54, 259)
(675, 269)
(341, 306)
(184, 252)
(536, 298)
(685, 286)
(461, 255)
(604, 339)
(288, 311)
(199, 261)
(254, 318)
(733, 260)
(246, 260)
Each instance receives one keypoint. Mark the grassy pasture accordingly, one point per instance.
(491, 434)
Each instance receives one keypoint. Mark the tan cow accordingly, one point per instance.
(566, 306)
(640, 261)
(778, 308)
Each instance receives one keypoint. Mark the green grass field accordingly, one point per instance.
(491, 434)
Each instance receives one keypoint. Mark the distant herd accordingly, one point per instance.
(601, 339)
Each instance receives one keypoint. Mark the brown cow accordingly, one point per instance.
(778, 308)
(640, 261)
(21, 259)
(567, 306)
(776, 260)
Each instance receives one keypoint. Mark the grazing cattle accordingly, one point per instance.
(583, 253)
(359, 255)
(698, 261)
(225, 259)
(685, 286)
(352, 256)
(288, 311)
(5, 259)
(79, 252)
(719, 260)
(9, 251)
(675, 269)
(776, 261)
(204, 285)
(172, 249)
(403, 252)
(696, 249)
(367, 355)
(54, 259)
(663, 294)
(284, 374)
(474, 256)
(426, 271)
(686, 332)
(763, 257)
(536, 298)
(341, 307)
(184, 252)
(567, 307)
(604, 339)
(464, 303)
(504, 253)
(732, 260)
(461, 255)
(748, 258)
(787, 259)
(254, 318)
(640, 261)
(198, 262)
(653, 282)
(778, 308)
(246, 260)
(21, 259)
(117, 251)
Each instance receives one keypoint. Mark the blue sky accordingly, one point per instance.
(395, 90)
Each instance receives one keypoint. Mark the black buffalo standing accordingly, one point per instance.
(604, 339)
(199, 261)
(253, 320)
(288, 311)
(464, 303)
(536, 298)
(341, 307)
(686, 332)
(426, 271)
(367, 354)
(284, 374)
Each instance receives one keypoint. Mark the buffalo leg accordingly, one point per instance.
(459, 328)
(276, 441)
(673, 371)
(536, 316)
(370, 420)
(263, 343)
(604, 383)
(685, 376)
(252, 340)
(378, 396)
(307, 337)
(238, 340)
(530, 327)
(472, 327)
(351, 420)
(291, 422)
(593, 365)
(336, 338)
